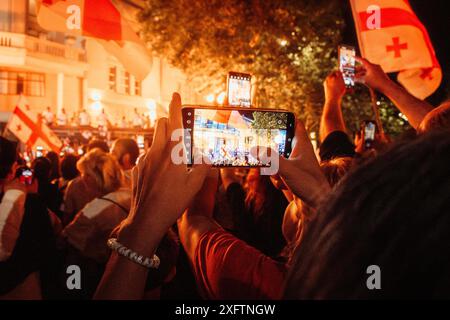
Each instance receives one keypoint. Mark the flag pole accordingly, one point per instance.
(373, 99)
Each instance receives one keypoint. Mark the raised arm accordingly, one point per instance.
(197, 220)
(301, 172)
(332, 118)
(162, 190)
(374, 77)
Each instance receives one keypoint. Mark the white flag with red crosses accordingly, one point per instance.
(100, 20)
(391, 35)
(29, 128)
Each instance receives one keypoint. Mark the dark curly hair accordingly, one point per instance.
(393, 212)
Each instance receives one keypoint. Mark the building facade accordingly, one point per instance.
(75, 73)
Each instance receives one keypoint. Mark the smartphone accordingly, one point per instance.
(39, 152)
(347, 64)
(26, 176)
(239, 89)
(227, 135)
(370, 128)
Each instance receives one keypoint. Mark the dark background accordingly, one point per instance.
(435, 16)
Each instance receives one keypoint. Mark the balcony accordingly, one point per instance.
(19, 50)
(34, 45)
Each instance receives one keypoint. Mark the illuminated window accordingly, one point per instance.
(122, 82)
(137, 88)
(17, 82)
(127, 83)
(5, 15)
(112, 78)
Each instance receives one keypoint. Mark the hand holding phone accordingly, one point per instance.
(227, 136)
(239, 89)
(25, 175)
(347, 64)
(369, 129)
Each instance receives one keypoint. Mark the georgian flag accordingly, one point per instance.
(98, 19)
(29, 128)
(391, 35)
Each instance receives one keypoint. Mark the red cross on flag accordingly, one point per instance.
(28, 127)
(391, 35)
(98, 19)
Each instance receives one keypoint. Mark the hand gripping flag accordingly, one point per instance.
(391, 35)
(98, 19)
(29, 128)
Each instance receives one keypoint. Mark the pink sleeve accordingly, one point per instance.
(227, 268)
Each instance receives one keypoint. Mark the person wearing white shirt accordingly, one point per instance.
(137, 120)
(84, 118)
(48, 117)
(102, 119)
(123, 122)
(62, 118)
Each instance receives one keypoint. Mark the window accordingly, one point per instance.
(112, 78)
(137, 88)
(5, 15)
(123, 82)
(17, 82)
(127, 83)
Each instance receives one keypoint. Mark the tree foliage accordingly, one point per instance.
(288, 46)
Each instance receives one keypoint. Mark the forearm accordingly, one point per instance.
(332, 118)
(191, 228)
(123, 278)
(414, 109)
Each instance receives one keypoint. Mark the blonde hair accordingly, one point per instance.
(103, 168)
(436, 119)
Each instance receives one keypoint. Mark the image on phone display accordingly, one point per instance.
(369, 131)
(347, 65)
(26, 177)
(239, 89)
(226, 137)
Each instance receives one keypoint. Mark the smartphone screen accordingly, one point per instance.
(369, 133)
(239, 89)
(26, 177)
(39, 152)
(347, 65)
(226, 136)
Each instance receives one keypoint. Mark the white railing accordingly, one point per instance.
(43, 46)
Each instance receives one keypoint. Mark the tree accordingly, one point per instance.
(288, 46)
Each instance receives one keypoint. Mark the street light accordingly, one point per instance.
(221, 98)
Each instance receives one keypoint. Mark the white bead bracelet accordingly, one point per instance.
(147, 262)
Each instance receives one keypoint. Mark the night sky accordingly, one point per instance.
(435, 15)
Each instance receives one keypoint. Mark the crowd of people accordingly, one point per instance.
(144, 227)
(83, 118)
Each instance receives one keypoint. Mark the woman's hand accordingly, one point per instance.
(161, 192)
(301, 172)
(161, 189)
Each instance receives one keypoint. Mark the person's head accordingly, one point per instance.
(260, 192)
(102, 169)
(436, 119)
(391, 212)
(54, 160)
(8, 157)
(298, 212)
(96, 143)
(69, 169)
(126, 152)
(42, 168)
(48, 109)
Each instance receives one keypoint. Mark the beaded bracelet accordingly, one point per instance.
(152, 263)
